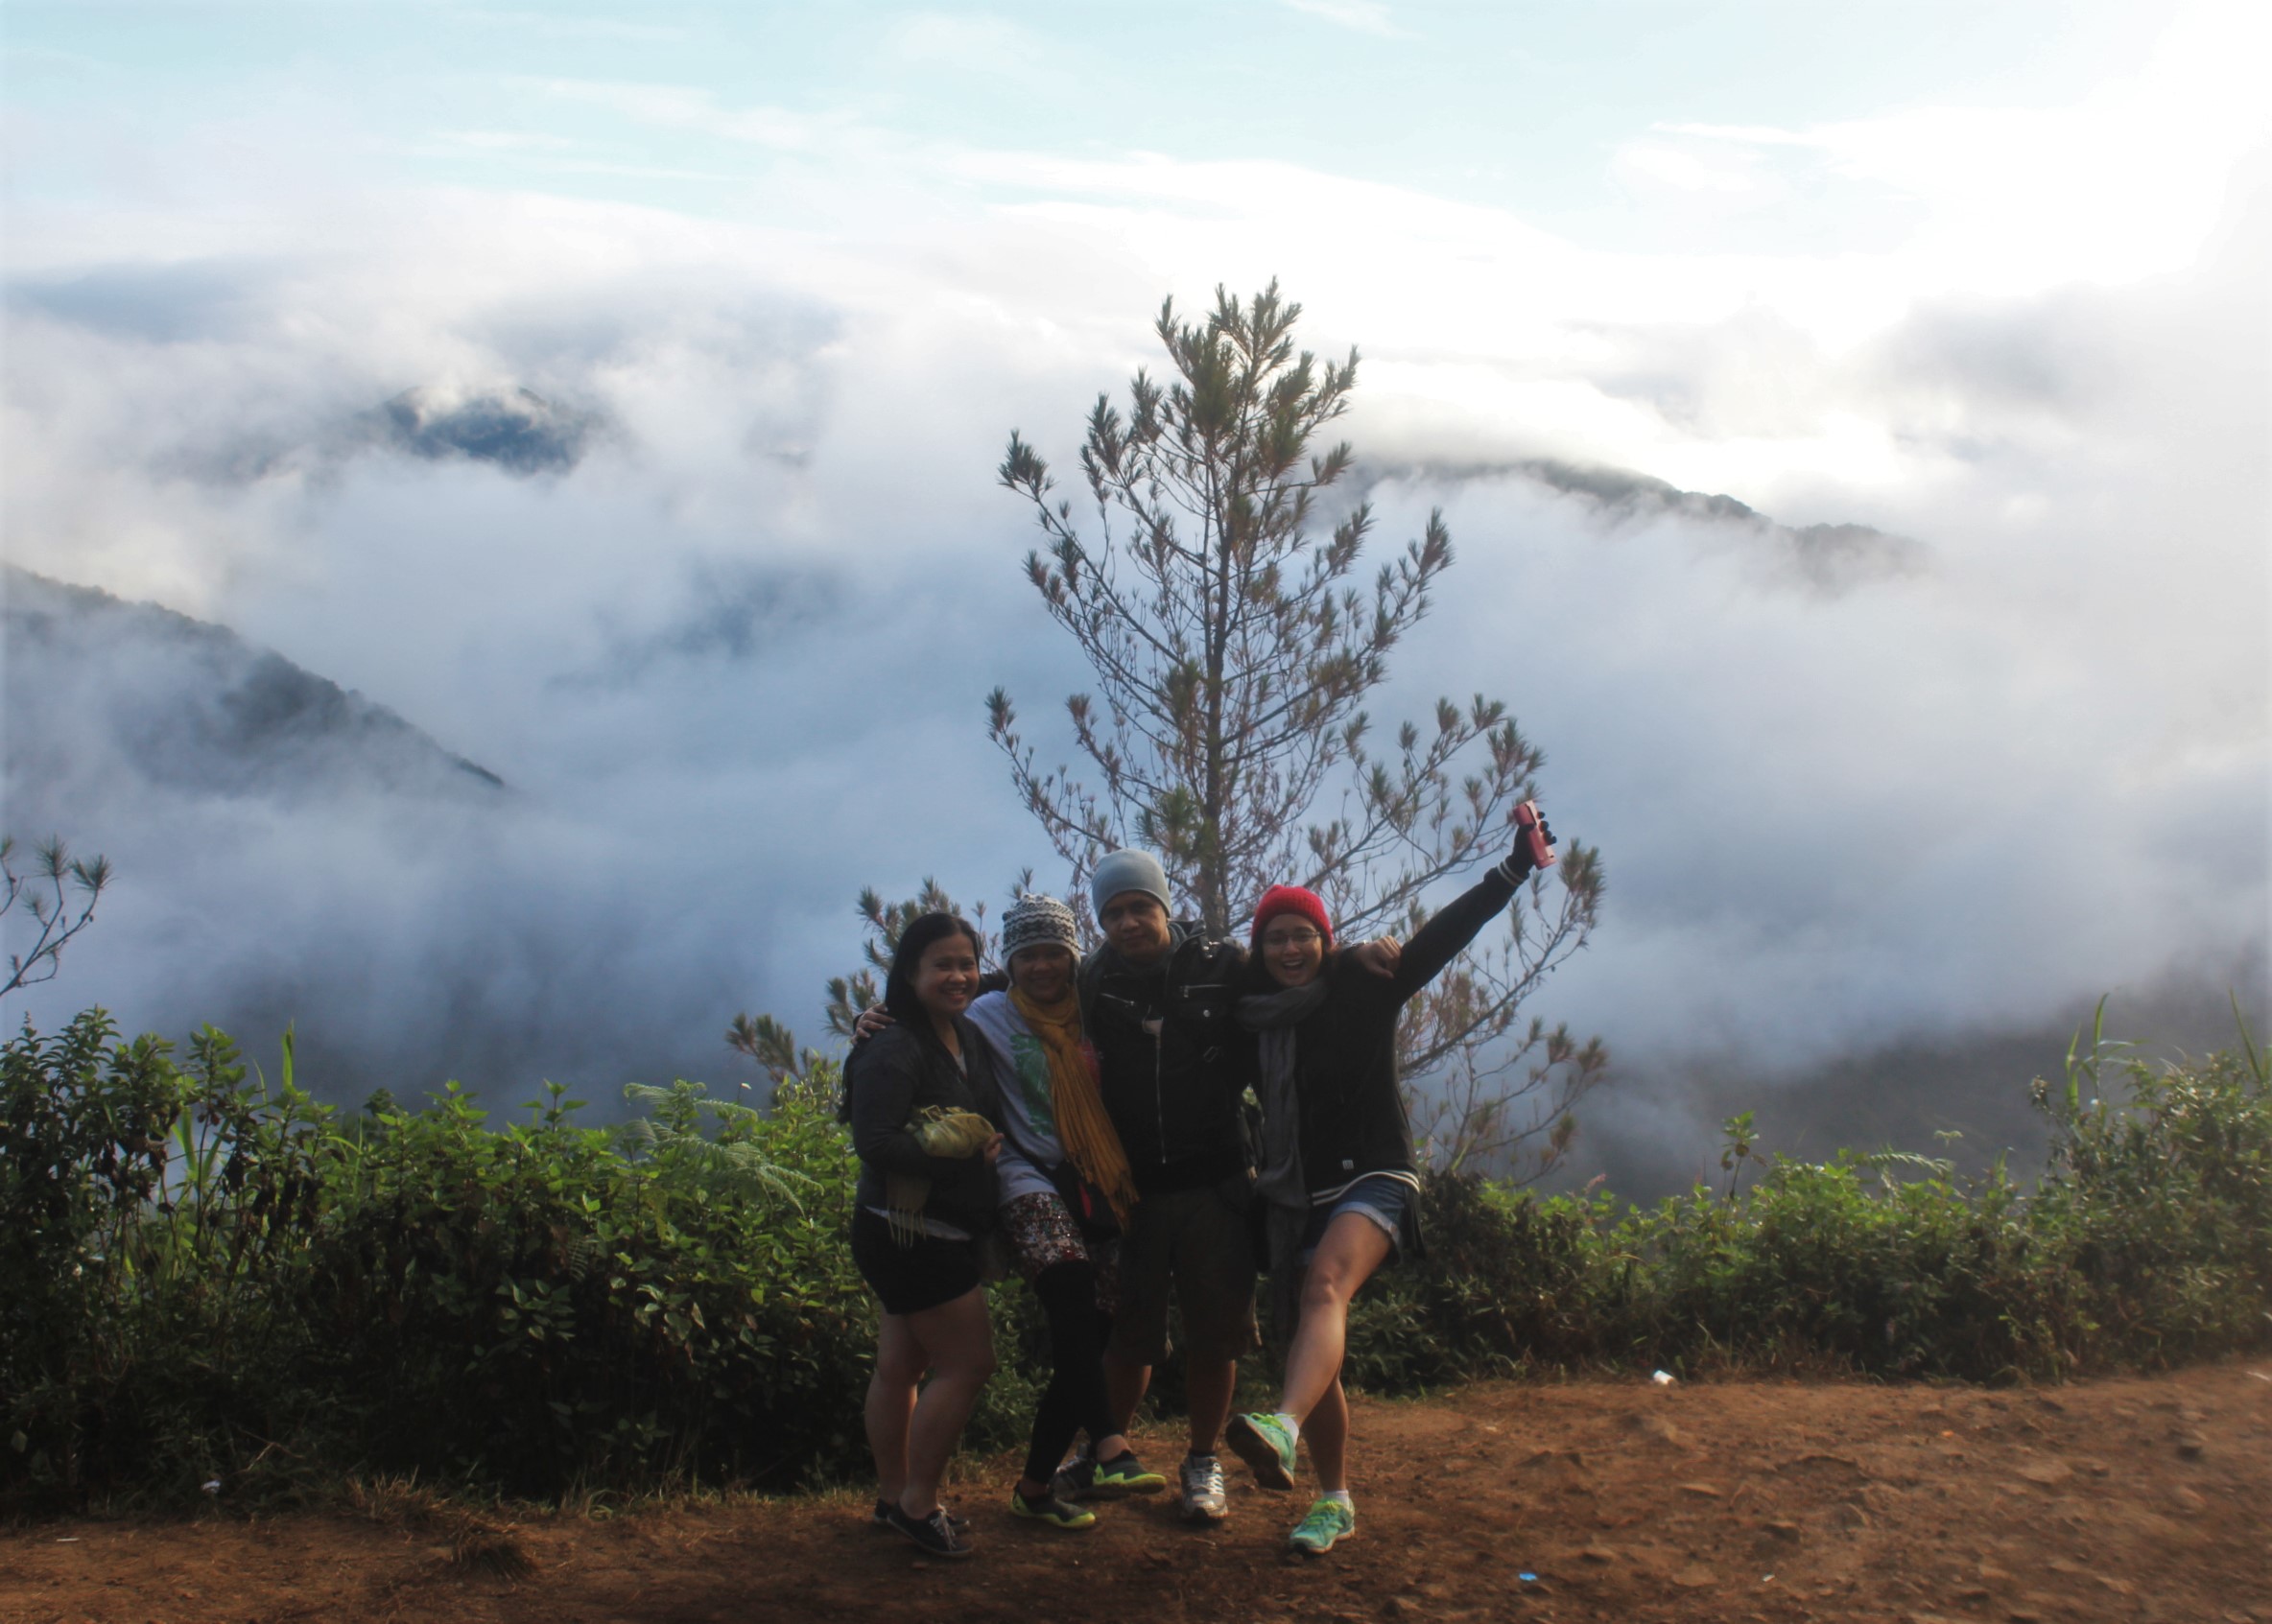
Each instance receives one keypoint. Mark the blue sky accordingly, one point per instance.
(1514, 107)
(1988, 278)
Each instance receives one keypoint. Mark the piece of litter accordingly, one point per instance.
(211, 1487)
(1527, 1578)
(71, 1540)
(1662, 1378)
(1766, 1578)
(2261, 1376)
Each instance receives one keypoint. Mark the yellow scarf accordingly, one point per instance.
(1078, 1102)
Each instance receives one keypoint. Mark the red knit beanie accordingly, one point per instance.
(1291, 899)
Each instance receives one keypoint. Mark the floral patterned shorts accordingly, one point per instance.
(1042, 1233)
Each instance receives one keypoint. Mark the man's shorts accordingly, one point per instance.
(1197, 1240)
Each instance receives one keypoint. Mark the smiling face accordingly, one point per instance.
(1292, 950)
(1042, 973)
(1136, 925)
(946, 977)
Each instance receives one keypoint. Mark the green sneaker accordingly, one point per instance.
(1049, 1509)
(1327, 1525)
(1263, 1444)
(1123, 1474)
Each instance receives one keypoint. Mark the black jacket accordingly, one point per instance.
(1352, 1114)
(897, 1073)
(1172, 1091)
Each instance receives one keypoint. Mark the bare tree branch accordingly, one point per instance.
(45, 892)
(1234, 650)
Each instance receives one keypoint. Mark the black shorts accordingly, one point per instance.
(908, 1279)
(1197, 1242)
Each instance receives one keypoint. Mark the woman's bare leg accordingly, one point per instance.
(891, 1401)
(1353, 1248)
(959, 1342)
(1327, 1433)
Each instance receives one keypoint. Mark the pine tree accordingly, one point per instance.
(45, 898)
(1234, 650)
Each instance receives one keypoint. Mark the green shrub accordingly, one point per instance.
(2164, 1206)
(532, 1308)
(2147, 1242)
(1503, 1285)
(203, 1276)
(154, 1218)
(83, 1127)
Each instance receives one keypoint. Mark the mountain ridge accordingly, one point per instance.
(1829, 560)
(191, 705)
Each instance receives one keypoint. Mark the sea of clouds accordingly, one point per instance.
(724, 617)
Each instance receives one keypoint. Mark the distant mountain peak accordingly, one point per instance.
(506, 424)
(106, 694)
(1826, 559)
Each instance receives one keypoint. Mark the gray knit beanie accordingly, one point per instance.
(1128, 871)
(1035, 921)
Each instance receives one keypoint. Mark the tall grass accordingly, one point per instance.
(206, 1277)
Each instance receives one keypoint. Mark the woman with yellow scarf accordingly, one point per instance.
(1066, 1197)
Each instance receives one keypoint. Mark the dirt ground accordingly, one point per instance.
(2116, 1500)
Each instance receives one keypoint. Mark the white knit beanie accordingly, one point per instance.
(1035, 921)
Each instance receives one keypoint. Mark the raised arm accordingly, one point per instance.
(1439, 941)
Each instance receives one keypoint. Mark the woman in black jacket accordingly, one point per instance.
(1338, 1167)
(918, 1216)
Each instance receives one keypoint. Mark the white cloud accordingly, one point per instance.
(1686, 171)
(2124, 183)
(1362, 17)
(553, 25)
(2034, 771)
(507, 140)
(686, 108)
(969, 43)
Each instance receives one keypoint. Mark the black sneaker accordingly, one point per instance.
(1085, 1478)
(1048, 1509)
(881, 1518)
(1122, 1475)
(934, 1535)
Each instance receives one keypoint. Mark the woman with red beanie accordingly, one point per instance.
(1338, 1168)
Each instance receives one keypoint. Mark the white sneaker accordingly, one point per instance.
(1203, 1497)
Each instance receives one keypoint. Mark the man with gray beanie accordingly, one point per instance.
(1156, 1002)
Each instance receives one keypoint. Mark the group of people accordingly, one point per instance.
(1093, 1116)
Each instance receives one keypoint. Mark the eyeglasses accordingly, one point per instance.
(1290, 939)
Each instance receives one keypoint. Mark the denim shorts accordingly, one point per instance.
(1383, 1197)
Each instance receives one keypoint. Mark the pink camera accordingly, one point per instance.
(1527, 820)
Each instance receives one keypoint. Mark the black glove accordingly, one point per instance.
(1518, 866)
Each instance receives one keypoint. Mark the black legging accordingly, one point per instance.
(1075, 1398)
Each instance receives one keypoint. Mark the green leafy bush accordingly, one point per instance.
(533, 1307)
(2147, 1242)
(204, 1276)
